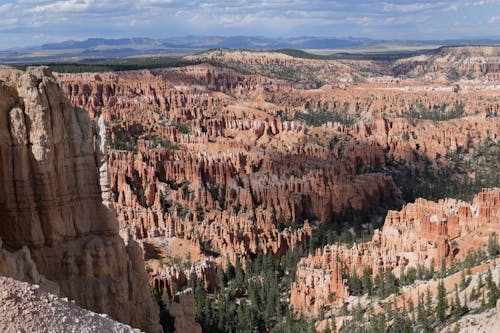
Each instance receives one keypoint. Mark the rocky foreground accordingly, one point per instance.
(26, 308)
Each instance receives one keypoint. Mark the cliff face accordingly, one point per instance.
(50, 203)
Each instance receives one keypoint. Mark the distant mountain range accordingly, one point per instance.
(125, 47)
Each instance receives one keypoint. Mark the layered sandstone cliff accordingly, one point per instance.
(51, 204)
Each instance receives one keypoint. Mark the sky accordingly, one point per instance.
(34, 22)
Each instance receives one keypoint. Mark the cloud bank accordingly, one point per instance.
(31, 22)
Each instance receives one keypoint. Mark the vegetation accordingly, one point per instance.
(378, 56)
(114, 65)
(317, 118)
(122, 144)
(182, 127)
(327, 113)
(452, 180)
(155, 141)
(428, 315)
(252, 300)
(438, 113)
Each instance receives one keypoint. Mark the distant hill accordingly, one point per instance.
(99, 48)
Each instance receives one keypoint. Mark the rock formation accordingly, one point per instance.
(184, 312)
(51, 207)
(211, 155)
(232, 176)
(422, 233)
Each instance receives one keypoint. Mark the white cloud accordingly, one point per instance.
(6, 7)
(411, 7)
(450, 8)
(63, 6)
(494, 19)
(159, 18)
(481, 3)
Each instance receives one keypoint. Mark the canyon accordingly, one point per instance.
(193, 179)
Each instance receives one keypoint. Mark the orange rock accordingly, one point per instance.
(417, 235)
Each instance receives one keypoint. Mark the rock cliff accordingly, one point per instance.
(51, 206)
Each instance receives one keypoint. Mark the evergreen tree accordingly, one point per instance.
(355, 284)
(420, 272)
(391, 285)
(442, 303)
(456, 305)
(366, 281)
(333, 325)
(221, 278)
(443, 268)
(493, 247)
(493, 293)
(229, 270)
(463, 282)
(380, 285)
(428, 300)
(465, 307)
(420, 310)
(239, 275)
(432, 269)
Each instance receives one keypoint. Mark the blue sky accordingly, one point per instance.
(33, 22)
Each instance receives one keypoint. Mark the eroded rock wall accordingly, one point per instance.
(50, 201)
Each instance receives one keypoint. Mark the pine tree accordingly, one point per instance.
(420, 272)
(457, 306)
(229, 270)
(390, 283)
(493, 293)
(432, 268)
(380, 285)
(442, 304)
(463, 282)
(465, 307)
(221, 278)
(428, 301)
(239, 275)
(333, 325)
(493, 247)
(420, 310)
(355, 284)
(366, 281)
(443, 268)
